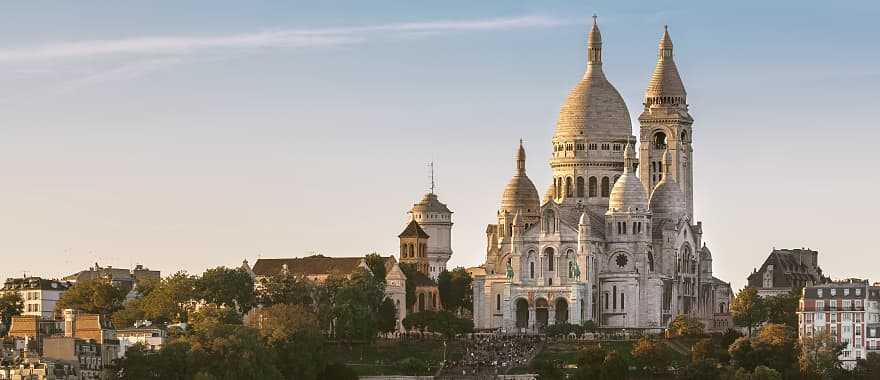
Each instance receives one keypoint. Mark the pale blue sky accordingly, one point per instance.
(185, 135)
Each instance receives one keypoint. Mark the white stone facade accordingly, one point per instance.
(604, 245)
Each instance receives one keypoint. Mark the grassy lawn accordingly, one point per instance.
(382, 357)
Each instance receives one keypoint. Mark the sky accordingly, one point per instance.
(184, 135)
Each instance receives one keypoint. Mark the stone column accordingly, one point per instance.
(531, 317)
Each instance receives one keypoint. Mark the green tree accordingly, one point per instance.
(11, 305)
(590, 362)
(782, 309)
(285, 288)
(339, 371)
(293, 332)
(868, 368)
(411, 272)
(684, 325)
(742, 353)
(776, 346)
(614, 366)
(700, 370)
(235, 352)
(227, 287)
(548, 369)
(174, 361)
(455, 289)
(376, 263)
(210, 318)
(93, 296)
(131, 312)
(387, 318)
(170, 300)
(819, 356)
(356, 308)
(650, 356)
(703, 349)
(748, 309)
(413, 366)
(766, 373)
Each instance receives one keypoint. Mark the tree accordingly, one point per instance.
(455, 289)
(174, 361)
(413, 366)
(782, 309)
(376, 263)
(338, 371)
(590, 362)
(548, 369)
(868, 368)
(684, 325)
(819, 356)
(766, 373)
(285, 288)
(93, 296)
(742, 353)
(704, 349)
(11, 305)
(227, 287)
(775, 346)
(293, 332)
(130, 313)
(700, 370)
(411, 272)
(650, 357)
(235, 352)
(387, 317)
(170, 300)
(356, 308)
(209, 318)
(748, 309)
(614, 366)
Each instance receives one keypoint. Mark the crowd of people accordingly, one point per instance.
(493, 354)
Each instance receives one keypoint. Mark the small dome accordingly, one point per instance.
(667, 198)
(549, 194)
(520, 193)
(628, 192)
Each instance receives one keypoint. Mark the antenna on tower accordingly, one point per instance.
(431, 165)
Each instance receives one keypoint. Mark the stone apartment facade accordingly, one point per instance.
(39, 294)
(849, 310)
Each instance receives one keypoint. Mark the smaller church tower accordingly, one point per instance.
(436, 219)
(414, 247)
(666, 126)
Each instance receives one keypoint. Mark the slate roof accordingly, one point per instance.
(34, 283)
(413, 230)
(312, 265)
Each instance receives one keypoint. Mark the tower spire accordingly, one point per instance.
(629, 158)
(431, 164)
(594, 44)
(521, 159)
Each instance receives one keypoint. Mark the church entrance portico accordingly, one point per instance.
(542, 313)
(522, 313)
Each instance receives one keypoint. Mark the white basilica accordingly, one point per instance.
(604, 244)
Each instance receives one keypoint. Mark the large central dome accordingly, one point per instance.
(594, 108)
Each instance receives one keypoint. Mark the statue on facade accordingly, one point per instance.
(509, 272)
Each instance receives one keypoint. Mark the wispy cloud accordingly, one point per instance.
(284, 38)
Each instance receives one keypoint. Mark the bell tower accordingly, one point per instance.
(666, 124)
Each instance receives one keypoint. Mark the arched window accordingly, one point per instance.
(606, 300)
(593, 187)
(570, 269)
(606, 187)
(650, 261)
(412, 250)
(622, 301)
(684, 136)
(660, 141)
(721, 307)
(532, 269)
(550, 259)
(580, 187)
(568, 187)
(498, 302)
